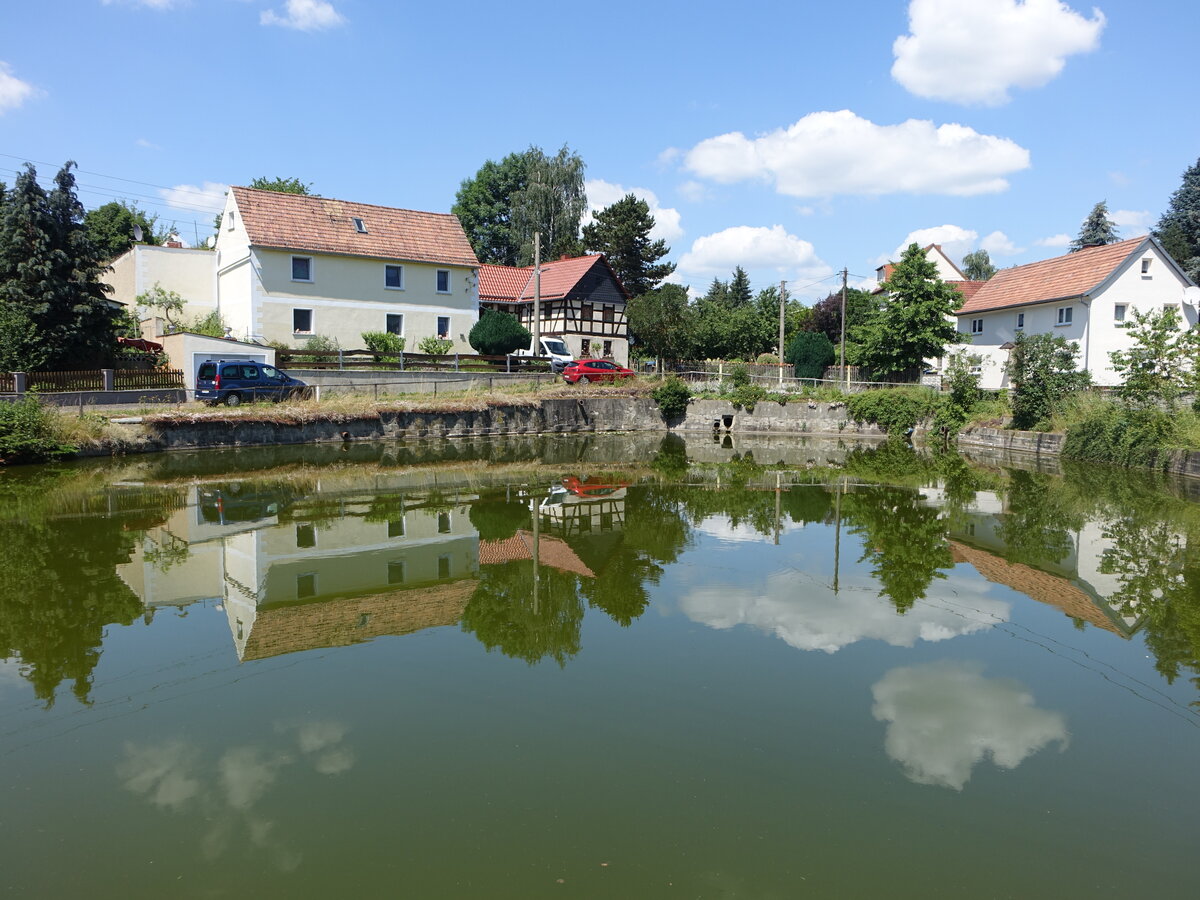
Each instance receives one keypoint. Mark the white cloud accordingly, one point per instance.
(1132, 222)
(304, 15)
(668, 157)
(827, 153)
(165, 773)
(1055, 240)
(146, 145)
(974, 51)
(954, 240)
(693, 191)
(945, 717)
(604, 193)
(758, 250)
(999, 244)
(723, 529)
(210, 195)
(13, 91)
(814, 618)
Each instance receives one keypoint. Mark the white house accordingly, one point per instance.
(190, 273)
(289, 267)
(1088, 297)
(947, 270)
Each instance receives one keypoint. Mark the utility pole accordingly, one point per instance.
(536, 349)
(782, 303)
(845, 371)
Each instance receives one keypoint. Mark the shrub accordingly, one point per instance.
(497, 333)
(811, 352)
(386, 346)
(435, 346)
(954, 409)
(672, 397)
(747, 396)
(29, 433)
(895, 410)
(767, 359)
(318, 343)
(1122, 436)
(1043, 374)
(739, 375)
(212, 325)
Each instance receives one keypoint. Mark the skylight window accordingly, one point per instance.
(359, 225)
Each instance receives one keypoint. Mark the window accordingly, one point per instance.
(359, 225)
(393, 277)
(306, 535)
(1020, 321)
(547, 312)
(977, 326)
(443, 330)
(444, 523)
(396, 528)
(232, 220)
(395, 323)
(302, 268)
(585, 348)
(396, 572)
(608, 314)
(443, 281)
(302, 321)
(1146, 267)
(608, 348)
(1119, 313)
(1065, 315)
(443, 567)
(585, 312)
(306, 585)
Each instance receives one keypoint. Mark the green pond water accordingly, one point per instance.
(597, 667)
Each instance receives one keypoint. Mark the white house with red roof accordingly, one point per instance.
(290, 267)
(582, 301)
(1088, 297)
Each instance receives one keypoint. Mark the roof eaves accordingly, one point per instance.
(963, 311)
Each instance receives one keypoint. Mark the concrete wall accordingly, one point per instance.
(343, 381)
(770, 416)
(1042, 444)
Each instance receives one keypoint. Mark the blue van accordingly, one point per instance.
(236, 381)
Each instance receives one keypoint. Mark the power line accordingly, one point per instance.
(42, 162)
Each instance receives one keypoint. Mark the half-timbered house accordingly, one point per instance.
(582, 301)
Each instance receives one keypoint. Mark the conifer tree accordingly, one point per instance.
(1097, 229)
(1179, 227)
(622, 233)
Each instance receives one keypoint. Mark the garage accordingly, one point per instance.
(187, 351)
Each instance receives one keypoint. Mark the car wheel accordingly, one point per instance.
(586, 379)
(233, 399)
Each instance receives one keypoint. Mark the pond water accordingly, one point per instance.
(597, 667)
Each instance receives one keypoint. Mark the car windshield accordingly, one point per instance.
(557, 347)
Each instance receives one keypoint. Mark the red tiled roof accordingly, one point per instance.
(1060, 278)
(968, 289)
(323, 225)
(559, 278)
(553, 552)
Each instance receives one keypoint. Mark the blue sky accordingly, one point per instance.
(792, 139)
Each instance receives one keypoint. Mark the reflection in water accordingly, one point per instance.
(943, 718)
(173, 775)
(326, 557)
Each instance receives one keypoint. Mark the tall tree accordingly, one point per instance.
(50, 284)
(978, 266)
(483, 205)
(660, 321)
(917, 319)
(283, 186)
(826, 314)
(1097, 229)
(111, 227)
(1179, 227)
(1043, 372)
(739, 289)
(622, 233)
(550, 203)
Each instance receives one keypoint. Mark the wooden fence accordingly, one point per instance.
(147, 379)
(58, 382)
(95, 380)
(369, 359)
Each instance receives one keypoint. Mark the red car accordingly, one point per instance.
(595, 370)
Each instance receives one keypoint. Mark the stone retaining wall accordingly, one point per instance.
(803, 417)
(1037, 443)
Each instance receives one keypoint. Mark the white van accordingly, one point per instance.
(554, 347)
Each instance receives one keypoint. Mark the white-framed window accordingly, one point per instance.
(1020, 321)
(1146, 267)
(302, 268)
(1066, 315)
(302, 321)
(232, 220)
(393, 278)
(1119, 310)
(443, 281)
(443, 328)
(977, 326)
(394, 324)
(359, 225)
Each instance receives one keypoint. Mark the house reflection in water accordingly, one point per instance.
(299, 572)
